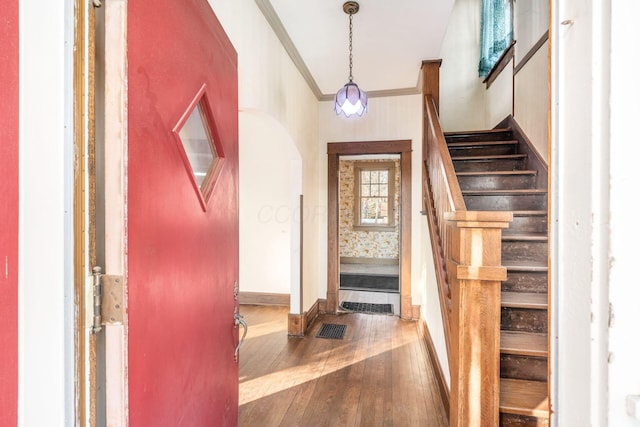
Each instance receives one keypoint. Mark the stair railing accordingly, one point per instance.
(467, 255)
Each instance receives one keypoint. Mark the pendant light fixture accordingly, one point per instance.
(350, 99)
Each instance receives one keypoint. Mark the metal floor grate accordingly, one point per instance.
(365, 307)
(332, 331)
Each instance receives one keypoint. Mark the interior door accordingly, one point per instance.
(182, 216)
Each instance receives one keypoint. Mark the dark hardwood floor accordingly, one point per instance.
(378, 375)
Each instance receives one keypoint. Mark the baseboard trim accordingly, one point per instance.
(299, 324)
(296, 325)
(433, 358)
(415, 311)
(263, 298)
(322, 305)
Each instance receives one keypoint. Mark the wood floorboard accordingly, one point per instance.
(347, 413)
(308, 358)
(403, 388)
(381, 375)
(378, 375)
(427, 377)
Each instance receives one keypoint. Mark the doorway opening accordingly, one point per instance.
(368, 233)
(369, 229)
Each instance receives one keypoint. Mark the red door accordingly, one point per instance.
(182, 255)
(9, 214)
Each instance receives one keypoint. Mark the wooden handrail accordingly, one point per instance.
(467, 256)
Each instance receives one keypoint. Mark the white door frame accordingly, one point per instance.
(116, 127)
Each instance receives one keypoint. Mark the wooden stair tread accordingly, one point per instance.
(490, 157)
(519, 265)
(522, 397)
(529, 213)
(524, 300)
(477, 132)
(531, 237)
(481, 143)
(505, 192)
(500, 173)
(524, 343)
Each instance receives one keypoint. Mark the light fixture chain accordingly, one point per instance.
(350, 47)
(350, 99)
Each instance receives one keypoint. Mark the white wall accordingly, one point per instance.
(624, 337)
(579, 215)
(531, 85)
(500, 97)
(431, 311)
(466, 103)
(462, 93)
(271, 84)
(531, 21)
(593, 233)
(531, 100)
(45, 277)
(267, 215)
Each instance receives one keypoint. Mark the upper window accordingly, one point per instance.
(496, 33)
(374, 195)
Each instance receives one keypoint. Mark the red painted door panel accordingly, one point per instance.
(9, 214)
(182, 259)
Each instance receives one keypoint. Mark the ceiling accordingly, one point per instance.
(390, 41)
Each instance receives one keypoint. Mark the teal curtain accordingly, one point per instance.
(496, 33)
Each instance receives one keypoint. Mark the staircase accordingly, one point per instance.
(496, 172)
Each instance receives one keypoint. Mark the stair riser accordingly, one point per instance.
(523, 320)
(528, 224)
(524, 251)
(488, 165)
(525, 281)
(497, 182)
(523, 367)
(483, 150)
(487, 136)
(508, 202)
(512, 420)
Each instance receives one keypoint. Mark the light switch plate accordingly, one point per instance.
(633, 406)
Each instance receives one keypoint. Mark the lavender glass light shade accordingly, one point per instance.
(350, 100)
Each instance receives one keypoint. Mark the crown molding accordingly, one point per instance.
(272, 18)
(276, 25)
(380, 93)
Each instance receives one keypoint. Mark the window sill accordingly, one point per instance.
(379, 228)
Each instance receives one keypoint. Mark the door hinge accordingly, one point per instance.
(108, 300)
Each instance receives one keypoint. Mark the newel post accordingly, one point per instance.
(475, 316)
(430, 74)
